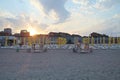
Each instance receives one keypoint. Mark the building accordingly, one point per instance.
(24, 33)
(76, 38)
(94, 34)
(2, 33)
(41, 39)
(53, 36)
(23, 38)
(99, 38)
(6, 38)
(70, 38)
(8, 31)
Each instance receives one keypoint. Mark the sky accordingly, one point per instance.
(71, 16)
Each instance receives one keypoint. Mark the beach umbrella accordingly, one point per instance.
(100, 40)
(75, 40)
(29, 41)
(24, 40)
(59, 41)
(104, 40)
(97, 40)
(6, 41)
(14, 42)
(33, 40)
(64, 41)
(84, 40)
(48, 41)
(117, 40)
(43, 39)
(113, 40)
(39, 40)
(92, 41)
(109, 41)
(88, 40)
(20, 39)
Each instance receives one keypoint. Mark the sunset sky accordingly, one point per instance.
(71, 16)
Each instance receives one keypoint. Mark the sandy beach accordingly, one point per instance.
(59, 65)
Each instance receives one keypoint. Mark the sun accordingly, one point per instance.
(32, 31)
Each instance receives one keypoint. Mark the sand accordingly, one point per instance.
(59, 65)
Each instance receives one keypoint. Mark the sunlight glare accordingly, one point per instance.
(32, 31)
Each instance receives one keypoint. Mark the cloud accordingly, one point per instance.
(4, 13)
(77, 23)
(84, 25)
(84, 6)
(82, 2)
(82, 20)
(110, 26)
(106, 4)
(21, 22)
(43, 26)
(101, 5)
(116, 16)
(52, 8)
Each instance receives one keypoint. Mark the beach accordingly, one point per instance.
(59, 65)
